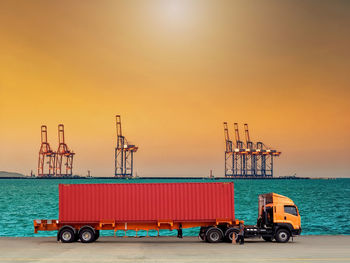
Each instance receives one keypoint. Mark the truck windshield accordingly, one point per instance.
(290, 210)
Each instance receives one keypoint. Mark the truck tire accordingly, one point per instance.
(267, 238)
(66, 235)
(230, 233)
(282, 236)
(86, 235)
(214, 235)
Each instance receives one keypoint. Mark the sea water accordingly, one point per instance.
(324, 205)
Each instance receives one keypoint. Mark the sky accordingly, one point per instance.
(175, 70)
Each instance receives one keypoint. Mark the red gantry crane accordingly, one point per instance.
(46, 163)
(64, 156)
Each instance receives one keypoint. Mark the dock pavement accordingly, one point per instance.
(172, 249)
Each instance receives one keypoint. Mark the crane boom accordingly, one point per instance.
(227, 138)
(249, 143)
(118, 125)
(247, 137)
(120, 138)
(239, 143)
(43, 134)
(60, 134)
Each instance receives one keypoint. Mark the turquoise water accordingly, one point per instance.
(324, 204)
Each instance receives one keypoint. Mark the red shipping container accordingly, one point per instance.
(149, 202)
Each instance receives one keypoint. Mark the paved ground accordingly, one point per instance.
(164, 249)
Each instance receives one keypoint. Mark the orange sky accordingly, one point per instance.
(175, 70)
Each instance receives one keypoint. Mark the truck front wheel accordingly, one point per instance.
(214, 235)
(282, 236)
(86, 235)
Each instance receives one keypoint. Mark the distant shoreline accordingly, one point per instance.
(174, 178)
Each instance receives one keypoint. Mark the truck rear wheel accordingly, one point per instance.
(86, 235)
(282, 236)
(66, 235)
(230, 233)
(214, 235)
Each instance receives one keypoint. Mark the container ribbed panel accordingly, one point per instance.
(146, 202)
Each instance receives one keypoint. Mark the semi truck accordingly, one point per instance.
(86, 209)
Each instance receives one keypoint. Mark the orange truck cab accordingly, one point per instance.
(278, 219)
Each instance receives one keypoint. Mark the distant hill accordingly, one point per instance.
(10, 174)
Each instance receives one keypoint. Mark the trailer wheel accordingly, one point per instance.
(230, 233)
(282, 236)
(66, 235)
(86, 235)
(214, 235)
(267, 238)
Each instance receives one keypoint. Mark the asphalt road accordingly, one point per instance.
(171, 249)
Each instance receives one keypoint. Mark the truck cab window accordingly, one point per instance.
(290, 210)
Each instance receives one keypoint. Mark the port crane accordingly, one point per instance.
(249, 159)
(46, 163)
(239, 156)
(228, 153)
(64, 156)
(124, 153)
